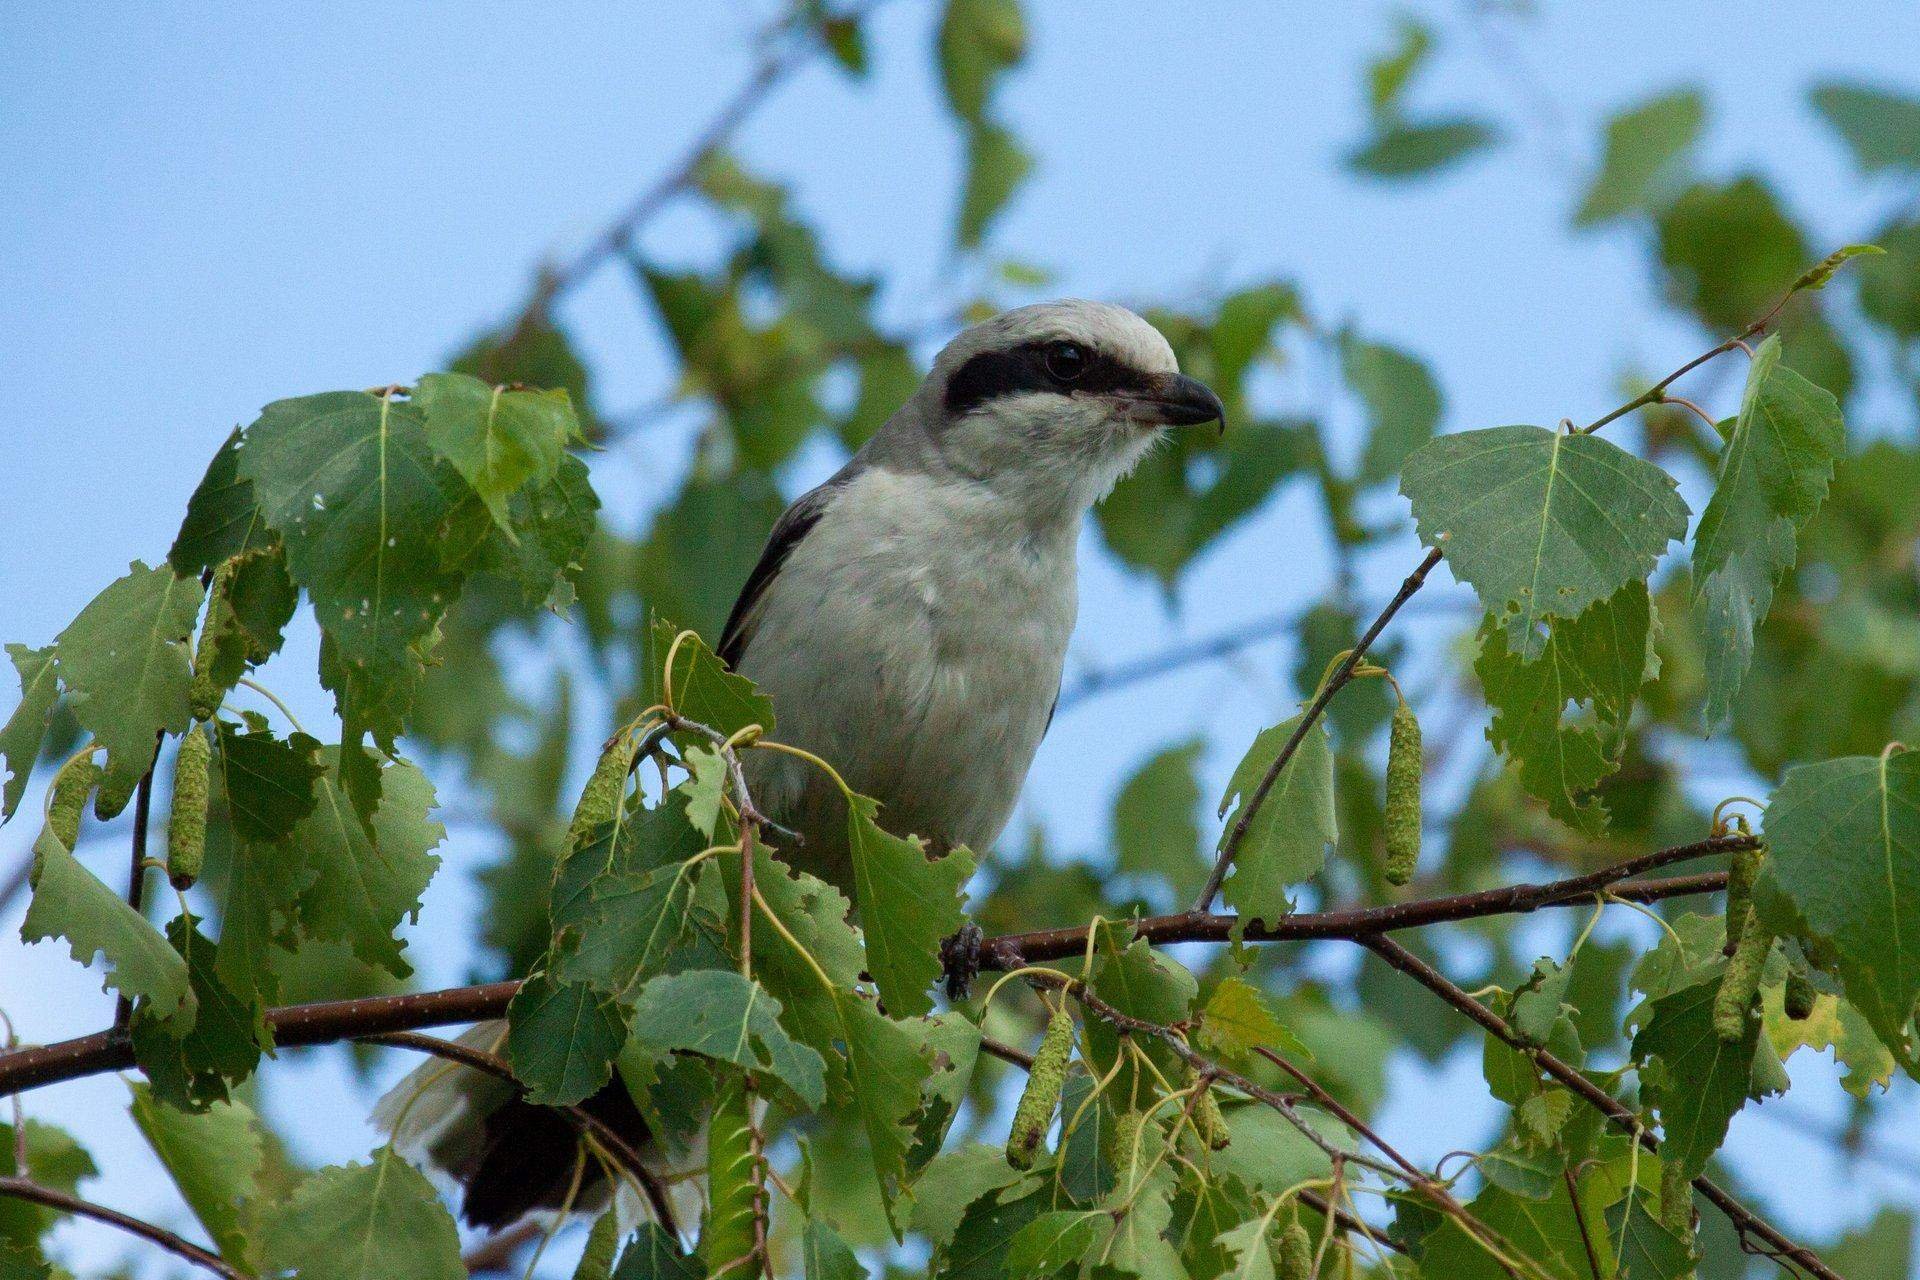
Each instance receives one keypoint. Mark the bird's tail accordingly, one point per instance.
(510, 1156)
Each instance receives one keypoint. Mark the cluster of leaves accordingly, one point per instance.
(431, 531)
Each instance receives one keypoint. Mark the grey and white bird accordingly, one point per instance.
(910, 619)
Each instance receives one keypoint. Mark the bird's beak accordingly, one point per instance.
(1175, 400)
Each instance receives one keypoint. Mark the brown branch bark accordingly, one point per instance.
(24, 1189)
(332, 1020)
(1749, 1224)
(137, 872)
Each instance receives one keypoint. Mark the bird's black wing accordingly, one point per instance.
(788, 530)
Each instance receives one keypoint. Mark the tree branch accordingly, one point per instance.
(25, 1189)
(1341, 675)
(328, 1021)
(1009, 951)
(1745, 1221)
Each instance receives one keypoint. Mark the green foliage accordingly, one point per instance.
(1288, 835)
(472, 597)
(1647, 148)
(1543, 524)
(1881, 128)
(1844, 876)
(214, 1159)
(909, 901)
(378, 1221)
(1774, 473)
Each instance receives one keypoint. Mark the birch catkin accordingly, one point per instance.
(1741, 981)
(1403, 795)
(1293, 1259)
(187, 818)
(1042, 1094)
(600, 798)
(70, 787)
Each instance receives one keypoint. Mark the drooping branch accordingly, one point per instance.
(1749, 1224)
(332, 1020)
(26, 1189)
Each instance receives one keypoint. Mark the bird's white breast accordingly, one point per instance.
(914, 638)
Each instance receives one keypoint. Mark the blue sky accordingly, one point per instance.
(211, 207)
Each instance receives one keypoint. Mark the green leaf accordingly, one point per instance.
(1402, 399)
(996, 166)
(55, 1160)
(1774, 473)
(1286, 843)
(703, 689)
(498, 438)
(1815, 277)
(1729, 249)
(192, 1060)
(1598, 660)
(825, 1256)
(1693, 1080)
(1890, 284)
(70, 902)
(887, 1069)
(269, 782)
(978, 1250)
(1248, 1244)
(379, 1221)
(1648, 1251)
(721, 1015)
(1542, 523)
(950, 1183)
(223, 520)
(1884, 1247)
(356, 492)
(909, 902)
(1052, 1242)
(1237, 1020)
(1843, 873)
(124, 662)
(1834, 1024)
(625, 923)
(1405, 150)
(1388, 76)
(367, 881)
(603, 1242)
(978, 40)
(562, 1038)
(1156, 831)
(214, 1159)
(26, 728)
(1547, 1233)
(1647, 147)
(1882, 127)
(23, 1262)
(656, 1255)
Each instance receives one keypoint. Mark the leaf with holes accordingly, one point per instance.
(1843, 875)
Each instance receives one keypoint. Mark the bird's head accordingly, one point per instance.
(1052, 404)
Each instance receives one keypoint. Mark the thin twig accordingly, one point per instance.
(25, 1189)
(137, 872)
(1745, 1220)
(792, 47)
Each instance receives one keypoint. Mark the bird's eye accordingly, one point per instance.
(1066, 361)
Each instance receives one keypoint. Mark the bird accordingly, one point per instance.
(909, 619)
